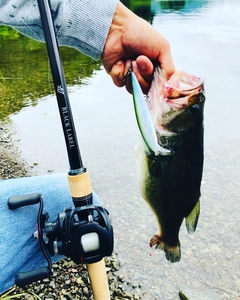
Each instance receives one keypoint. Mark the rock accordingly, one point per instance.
(188, 294)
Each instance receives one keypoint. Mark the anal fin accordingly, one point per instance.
(192, 219)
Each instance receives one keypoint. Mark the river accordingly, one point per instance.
(205, 41)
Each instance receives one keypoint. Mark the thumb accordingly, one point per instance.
(166, 62)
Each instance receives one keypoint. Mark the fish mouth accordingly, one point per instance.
(182, 84)
(183, 81)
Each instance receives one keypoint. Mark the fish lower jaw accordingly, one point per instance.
(172, 253)
(162, 131)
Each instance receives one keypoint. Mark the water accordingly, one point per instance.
(205, 41)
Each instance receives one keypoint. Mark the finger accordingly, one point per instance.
(145, 84)
(117, 73)
(166, 61)
(145, 67)
(168, 67)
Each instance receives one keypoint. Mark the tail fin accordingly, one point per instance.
(172, 253)
(192, 219)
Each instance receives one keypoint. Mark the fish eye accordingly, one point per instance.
(194, 109)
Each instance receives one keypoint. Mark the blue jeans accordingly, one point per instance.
(19, 250)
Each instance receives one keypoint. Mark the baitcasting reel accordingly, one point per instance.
(84, 234)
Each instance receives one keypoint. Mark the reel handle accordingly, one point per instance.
(25, 278)
(15, 202)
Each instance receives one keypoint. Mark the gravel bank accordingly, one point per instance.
(11, 165)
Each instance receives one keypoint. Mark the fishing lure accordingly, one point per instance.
(143, 117)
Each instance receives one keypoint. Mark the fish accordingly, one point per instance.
(169, 177)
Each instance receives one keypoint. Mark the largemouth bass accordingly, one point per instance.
(170, 177)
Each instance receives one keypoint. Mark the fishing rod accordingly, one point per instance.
(84, 234)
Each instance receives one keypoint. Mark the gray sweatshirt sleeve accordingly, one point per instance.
(82, 24)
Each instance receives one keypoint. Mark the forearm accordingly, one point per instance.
(82, 24)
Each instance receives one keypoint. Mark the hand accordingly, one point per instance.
(132, 38)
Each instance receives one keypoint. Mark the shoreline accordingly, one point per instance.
(11, 164)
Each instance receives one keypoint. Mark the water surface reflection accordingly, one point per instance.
(25, 74)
